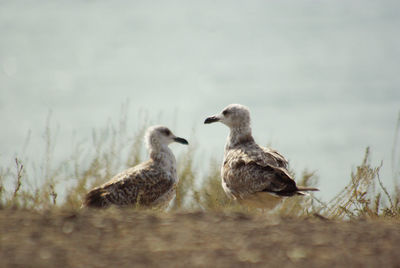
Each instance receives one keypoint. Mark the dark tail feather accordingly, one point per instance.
(306, 189)
(301, 189)
(96, 198)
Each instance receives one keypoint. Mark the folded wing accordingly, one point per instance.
(259, 170)
(133, 186)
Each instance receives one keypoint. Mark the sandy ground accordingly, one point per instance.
(127, 238)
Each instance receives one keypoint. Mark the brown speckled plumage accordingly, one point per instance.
(248, 169)
(151, 183)
(141, 185)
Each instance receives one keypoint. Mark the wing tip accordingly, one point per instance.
(95, 198)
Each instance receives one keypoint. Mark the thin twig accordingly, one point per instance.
(20, 167)
(386, 192)
(53, 194)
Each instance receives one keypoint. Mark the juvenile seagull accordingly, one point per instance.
(252, 174)
(150, 184)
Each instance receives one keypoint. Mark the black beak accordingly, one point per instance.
(211, 119)
(181, 140)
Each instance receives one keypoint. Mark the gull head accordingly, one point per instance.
(160, 135)
(233, 116)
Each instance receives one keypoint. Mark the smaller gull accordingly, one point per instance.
(253, 175)
(149, 184)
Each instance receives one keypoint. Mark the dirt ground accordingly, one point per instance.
(128, 238)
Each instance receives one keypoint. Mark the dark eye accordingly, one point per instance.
(225, 112)
(166, 132)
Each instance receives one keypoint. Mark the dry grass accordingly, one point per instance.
(41, 224)
(113, 149)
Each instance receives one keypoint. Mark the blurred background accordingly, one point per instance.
(321, 78)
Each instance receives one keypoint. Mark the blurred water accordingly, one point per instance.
(321, 78)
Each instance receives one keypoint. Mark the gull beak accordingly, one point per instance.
(211, 119)
(181, 140)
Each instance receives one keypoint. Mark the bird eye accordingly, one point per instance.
(225, 112)
(165, 131)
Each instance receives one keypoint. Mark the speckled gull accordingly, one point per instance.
(150, 184)
(251, 174)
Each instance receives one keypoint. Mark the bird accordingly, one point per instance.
(149, 184)
(255, 176)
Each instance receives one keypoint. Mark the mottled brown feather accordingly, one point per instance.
(141, 185)
(250, 168)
